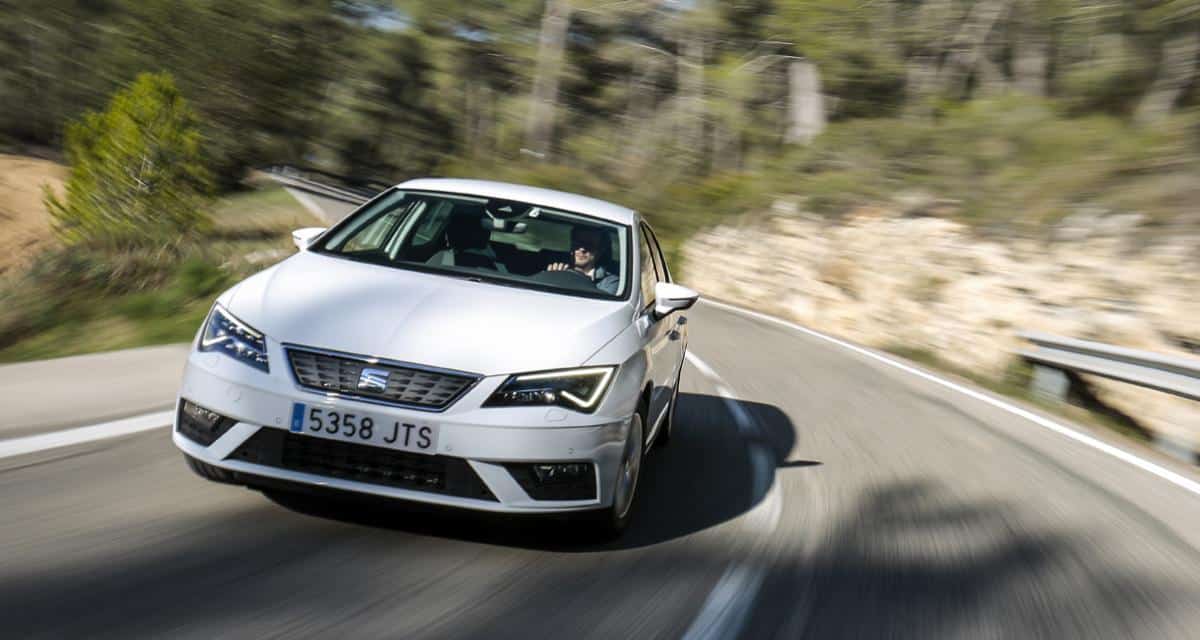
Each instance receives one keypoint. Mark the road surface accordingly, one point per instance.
(812, 491)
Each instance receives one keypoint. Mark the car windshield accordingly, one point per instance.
(490, 239)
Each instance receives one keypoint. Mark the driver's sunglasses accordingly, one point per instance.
(586, 247)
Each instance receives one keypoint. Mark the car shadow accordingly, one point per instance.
(704, 477)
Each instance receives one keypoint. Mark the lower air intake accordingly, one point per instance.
(363, 463)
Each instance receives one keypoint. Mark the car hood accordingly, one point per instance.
(480, 327)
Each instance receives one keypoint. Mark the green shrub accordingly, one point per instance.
(71, 286)
(200, 278)
(136, 178)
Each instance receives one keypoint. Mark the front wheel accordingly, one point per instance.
(612, 522)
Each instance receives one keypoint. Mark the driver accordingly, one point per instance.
(586, 245)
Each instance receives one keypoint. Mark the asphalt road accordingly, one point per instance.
(834, 497)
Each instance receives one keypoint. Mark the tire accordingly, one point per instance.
(209, 472)
(610, 523)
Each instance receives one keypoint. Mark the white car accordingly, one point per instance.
(466, 343)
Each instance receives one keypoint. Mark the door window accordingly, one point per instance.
(648, 270)
(660, 262)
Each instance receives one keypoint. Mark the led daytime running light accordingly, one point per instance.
(224, 333)
(605, 374)
(228, 317)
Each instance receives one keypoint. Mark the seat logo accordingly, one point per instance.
(373, 380)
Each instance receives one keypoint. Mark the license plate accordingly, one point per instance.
(364, 428)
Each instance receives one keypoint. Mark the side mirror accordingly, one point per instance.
(670, 298)
(304, 237)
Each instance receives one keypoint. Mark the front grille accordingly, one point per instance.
(363, 463)
(404, 386)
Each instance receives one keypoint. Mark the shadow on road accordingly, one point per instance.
(702, 479)
(910, 560)
(904, 558)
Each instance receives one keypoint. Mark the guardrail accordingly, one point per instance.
(319, 188)
(1054, 356)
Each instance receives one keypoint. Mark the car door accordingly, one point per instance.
(655, 334)
(677, 322)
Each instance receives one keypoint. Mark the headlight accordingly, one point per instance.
(226, 334)
(577, 389)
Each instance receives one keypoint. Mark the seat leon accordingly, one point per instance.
(471, 344)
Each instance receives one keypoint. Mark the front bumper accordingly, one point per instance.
(479, 451)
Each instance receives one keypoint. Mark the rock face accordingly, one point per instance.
(884, 279)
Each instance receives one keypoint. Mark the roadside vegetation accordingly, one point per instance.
(77, 301)
(1008, 114)
(142, 247)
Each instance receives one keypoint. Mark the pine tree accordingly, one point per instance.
(137, 177)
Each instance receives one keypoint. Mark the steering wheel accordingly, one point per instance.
(569, 278)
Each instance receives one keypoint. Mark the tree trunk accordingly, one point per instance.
(920, 73)
(638, 118)
(1031, 64)
(470, 120)
(968, 45)
(1176, 72)
(495, 131)
(544, 99)
(990, 79)
(933, 19)
(1031, 54)
(806, 103)
(691, 85)
(727, 139)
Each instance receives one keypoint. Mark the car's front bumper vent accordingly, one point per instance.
(581, 486)
(388, 383)
(200, 425)
(363, 463)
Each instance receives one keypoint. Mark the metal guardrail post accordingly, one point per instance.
(1050, 383)
(1056, 361)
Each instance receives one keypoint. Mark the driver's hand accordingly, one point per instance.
(558, 266)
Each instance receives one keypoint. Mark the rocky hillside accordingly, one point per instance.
(897, 278)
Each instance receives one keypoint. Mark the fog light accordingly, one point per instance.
(205, 417)
(568, 472)
(200, 424)
(555, 480)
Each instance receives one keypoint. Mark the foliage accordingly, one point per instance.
(1008, 161)
(392, 124)
(257, 72)
(77, 299)
(70, 288)
(395, 88)
(137, 177)
(1015, 112)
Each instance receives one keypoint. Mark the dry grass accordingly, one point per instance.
(25, 221)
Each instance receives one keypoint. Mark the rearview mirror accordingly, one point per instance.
(499, 209)
(506, 226)
(669, 298)
(304, 237)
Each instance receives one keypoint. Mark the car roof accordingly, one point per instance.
(549, 198)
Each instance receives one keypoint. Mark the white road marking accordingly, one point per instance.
(729, 604)
(80, 435)
(307, 202)
(1178, 480)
